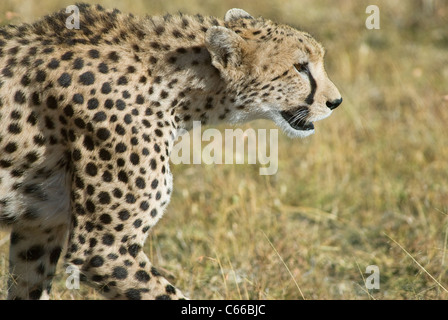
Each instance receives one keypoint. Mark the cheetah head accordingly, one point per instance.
(276, 71)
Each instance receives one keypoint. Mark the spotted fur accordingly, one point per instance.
(88, 120)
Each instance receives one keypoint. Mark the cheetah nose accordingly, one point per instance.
(334, 104)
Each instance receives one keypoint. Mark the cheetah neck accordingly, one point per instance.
(190, 88)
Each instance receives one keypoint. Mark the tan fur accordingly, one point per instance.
(89, 117)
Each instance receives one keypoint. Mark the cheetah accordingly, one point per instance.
(88, 118)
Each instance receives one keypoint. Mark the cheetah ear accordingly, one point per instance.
(235, 14)
(225, 47)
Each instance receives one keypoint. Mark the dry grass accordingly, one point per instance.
(370, 188)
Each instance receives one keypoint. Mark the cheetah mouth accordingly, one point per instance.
(296, 119)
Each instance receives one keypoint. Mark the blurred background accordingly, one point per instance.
(369, 188)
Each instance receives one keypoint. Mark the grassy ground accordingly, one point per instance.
(370, 188)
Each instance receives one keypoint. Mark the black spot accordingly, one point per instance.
(78, 98)
(25, 80)
(87, 78)
(92, 242)
(106, 88)
(120, 147)
(49, 123)
(163, 94)
(89, 226)
(97, 261)
(113, 56)
(99, 116)
(127, 119)
(10, 147)
(137, 223)
(122, 80)
(122, 176)
(108, 239)
(120, 104)
(119, 273)
(67, 56)
(88, 143)
(33, 253)
(112, 256)
(163, 297)
(154, 183)
(130, 198)
(14, 128)
(65, 80)
(90, 206)
(32, 157)
(55, 254)
(109, 104)
(80, 123)
(140, 183)
(78, 64)
(126, 94)
(5, 164)
(19, 97)
(78, 262)
(76, 155)
(142, 79)
(133, 294)
(134, 249)
(155, 45)
(153, 213)
(104, 197)
(40, 269)
(103, 68)
(107, 176)
(131, 69)
(105, 218)
(117, 193)
(92, 104)
(98, 278)
(123, 215)
(144, 205)
(93, 53)
(135, 159)
(120, 130)
(52, 103)
(177, 34)
(103, 134)
(142, 276)
(32, 118)
(15, 238)
(170, 289)
(91, 169)
(35, 294)
(153, 164)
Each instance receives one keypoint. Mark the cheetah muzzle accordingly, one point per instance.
(89, 117)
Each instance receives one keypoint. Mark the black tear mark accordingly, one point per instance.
(310, 98)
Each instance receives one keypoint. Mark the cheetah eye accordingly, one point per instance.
(302, 67)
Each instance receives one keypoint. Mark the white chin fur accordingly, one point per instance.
(290, 131)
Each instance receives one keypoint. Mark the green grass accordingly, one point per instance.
(372, 179)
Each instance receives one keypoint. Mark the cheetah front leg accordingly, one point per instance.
(111, 221)
(115, 266)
